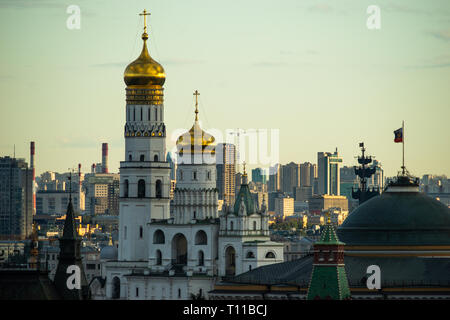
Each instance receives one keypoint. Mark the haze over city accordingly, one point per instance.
(311, 69)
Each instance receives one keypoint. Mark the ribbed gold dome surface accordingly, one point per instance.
(144, 71)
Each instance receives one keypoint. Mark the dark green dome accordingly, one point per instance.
(401, 216)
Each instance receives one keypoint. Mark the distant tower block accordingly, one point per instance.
(32, 163)
(104, 158)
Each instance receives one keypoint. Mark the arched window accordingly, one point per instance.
(141, 232)
(201, 258)
(141, 114)
(158, 257)
(230, 261)
(130, 158)
(270, 255)
(156, 114)
(179, 293)
(142, 158)
(208, 175)
(141, 188)
(134, 114)
(155, 158)
(201, 238)
(250, 268)
(158, 188)
(254, 225)
(116, 288)
(195, 175)
(125, 188)
(158, 237)
(125, 232)
(231, 225)
(148, 113)
(250, 255)
(195, 214)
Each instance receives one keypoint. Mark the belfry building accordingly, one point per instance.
(183, 254)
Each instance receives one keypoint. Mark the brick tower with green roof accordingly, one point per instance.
(328, 277)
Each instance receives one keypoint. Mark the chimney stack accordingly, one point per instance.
(104, 158)
(32, 152)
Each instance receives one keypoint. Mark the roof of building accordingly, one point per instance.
(245, 196)
(400, 216)
(26, 285)
(396, 271)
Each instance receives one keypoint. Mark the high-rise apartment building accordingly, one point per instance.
(226, 171)
(16, 198)
(290, 178)
(274, 184)
(329, 173)
(102, 195)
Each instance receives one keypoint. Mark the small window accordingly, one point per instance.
(179, 293)
(155, 158)
(137, 289)
(141, 232)
(142, 158)
(195, 175)
(130, 158)
(231, 225)
(156, 114)
(250, 255)
(250, 268)
(158, 257)
(181, 174)
(208, 175)
(254, 225)
(201, 258)
(141, 114)
(125, 232)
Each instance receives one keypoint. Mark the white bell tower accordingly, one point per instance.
(144, 174)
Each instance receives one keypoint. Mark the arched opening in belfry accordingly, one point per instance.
(230, 261)
(179, 249)
(125, 188)
(155, 158)
(141, 188)
(116, 288)
(158, 188)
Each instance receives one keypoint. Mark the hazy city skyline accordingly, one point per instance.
(312, 70)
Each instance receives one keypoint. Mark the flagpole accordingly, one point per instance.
(403, 144)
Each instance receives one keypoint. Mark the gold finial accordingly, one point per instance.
(145, 14)
(196, 94)
(328, 217)
(245, 173)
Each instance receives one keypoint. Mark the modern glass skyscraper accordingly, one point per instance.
(226, 171)
(329, 173)
(16, 198)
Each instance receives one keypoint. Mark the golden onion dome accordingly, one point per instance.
(144, 71)
(196, 139)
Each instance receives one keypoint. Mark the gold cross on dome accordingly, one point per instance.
(196, 94)
(145, 14)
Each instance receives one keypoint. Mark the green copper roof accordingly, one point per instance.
(244, 195)
(329, 236)
(398, 218)
(328, 282)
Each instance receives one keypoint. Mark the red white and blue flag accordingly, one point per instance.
(398, 135)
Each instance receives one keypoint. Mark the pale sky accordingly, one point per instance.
(311, 69)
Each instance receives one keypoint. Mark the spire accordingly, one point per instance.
(145, 14)
(196, 94)
(70, 230)
(244, 175)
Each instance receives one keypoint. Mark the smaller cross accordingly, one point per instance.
(145, 14)
(196, 94)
